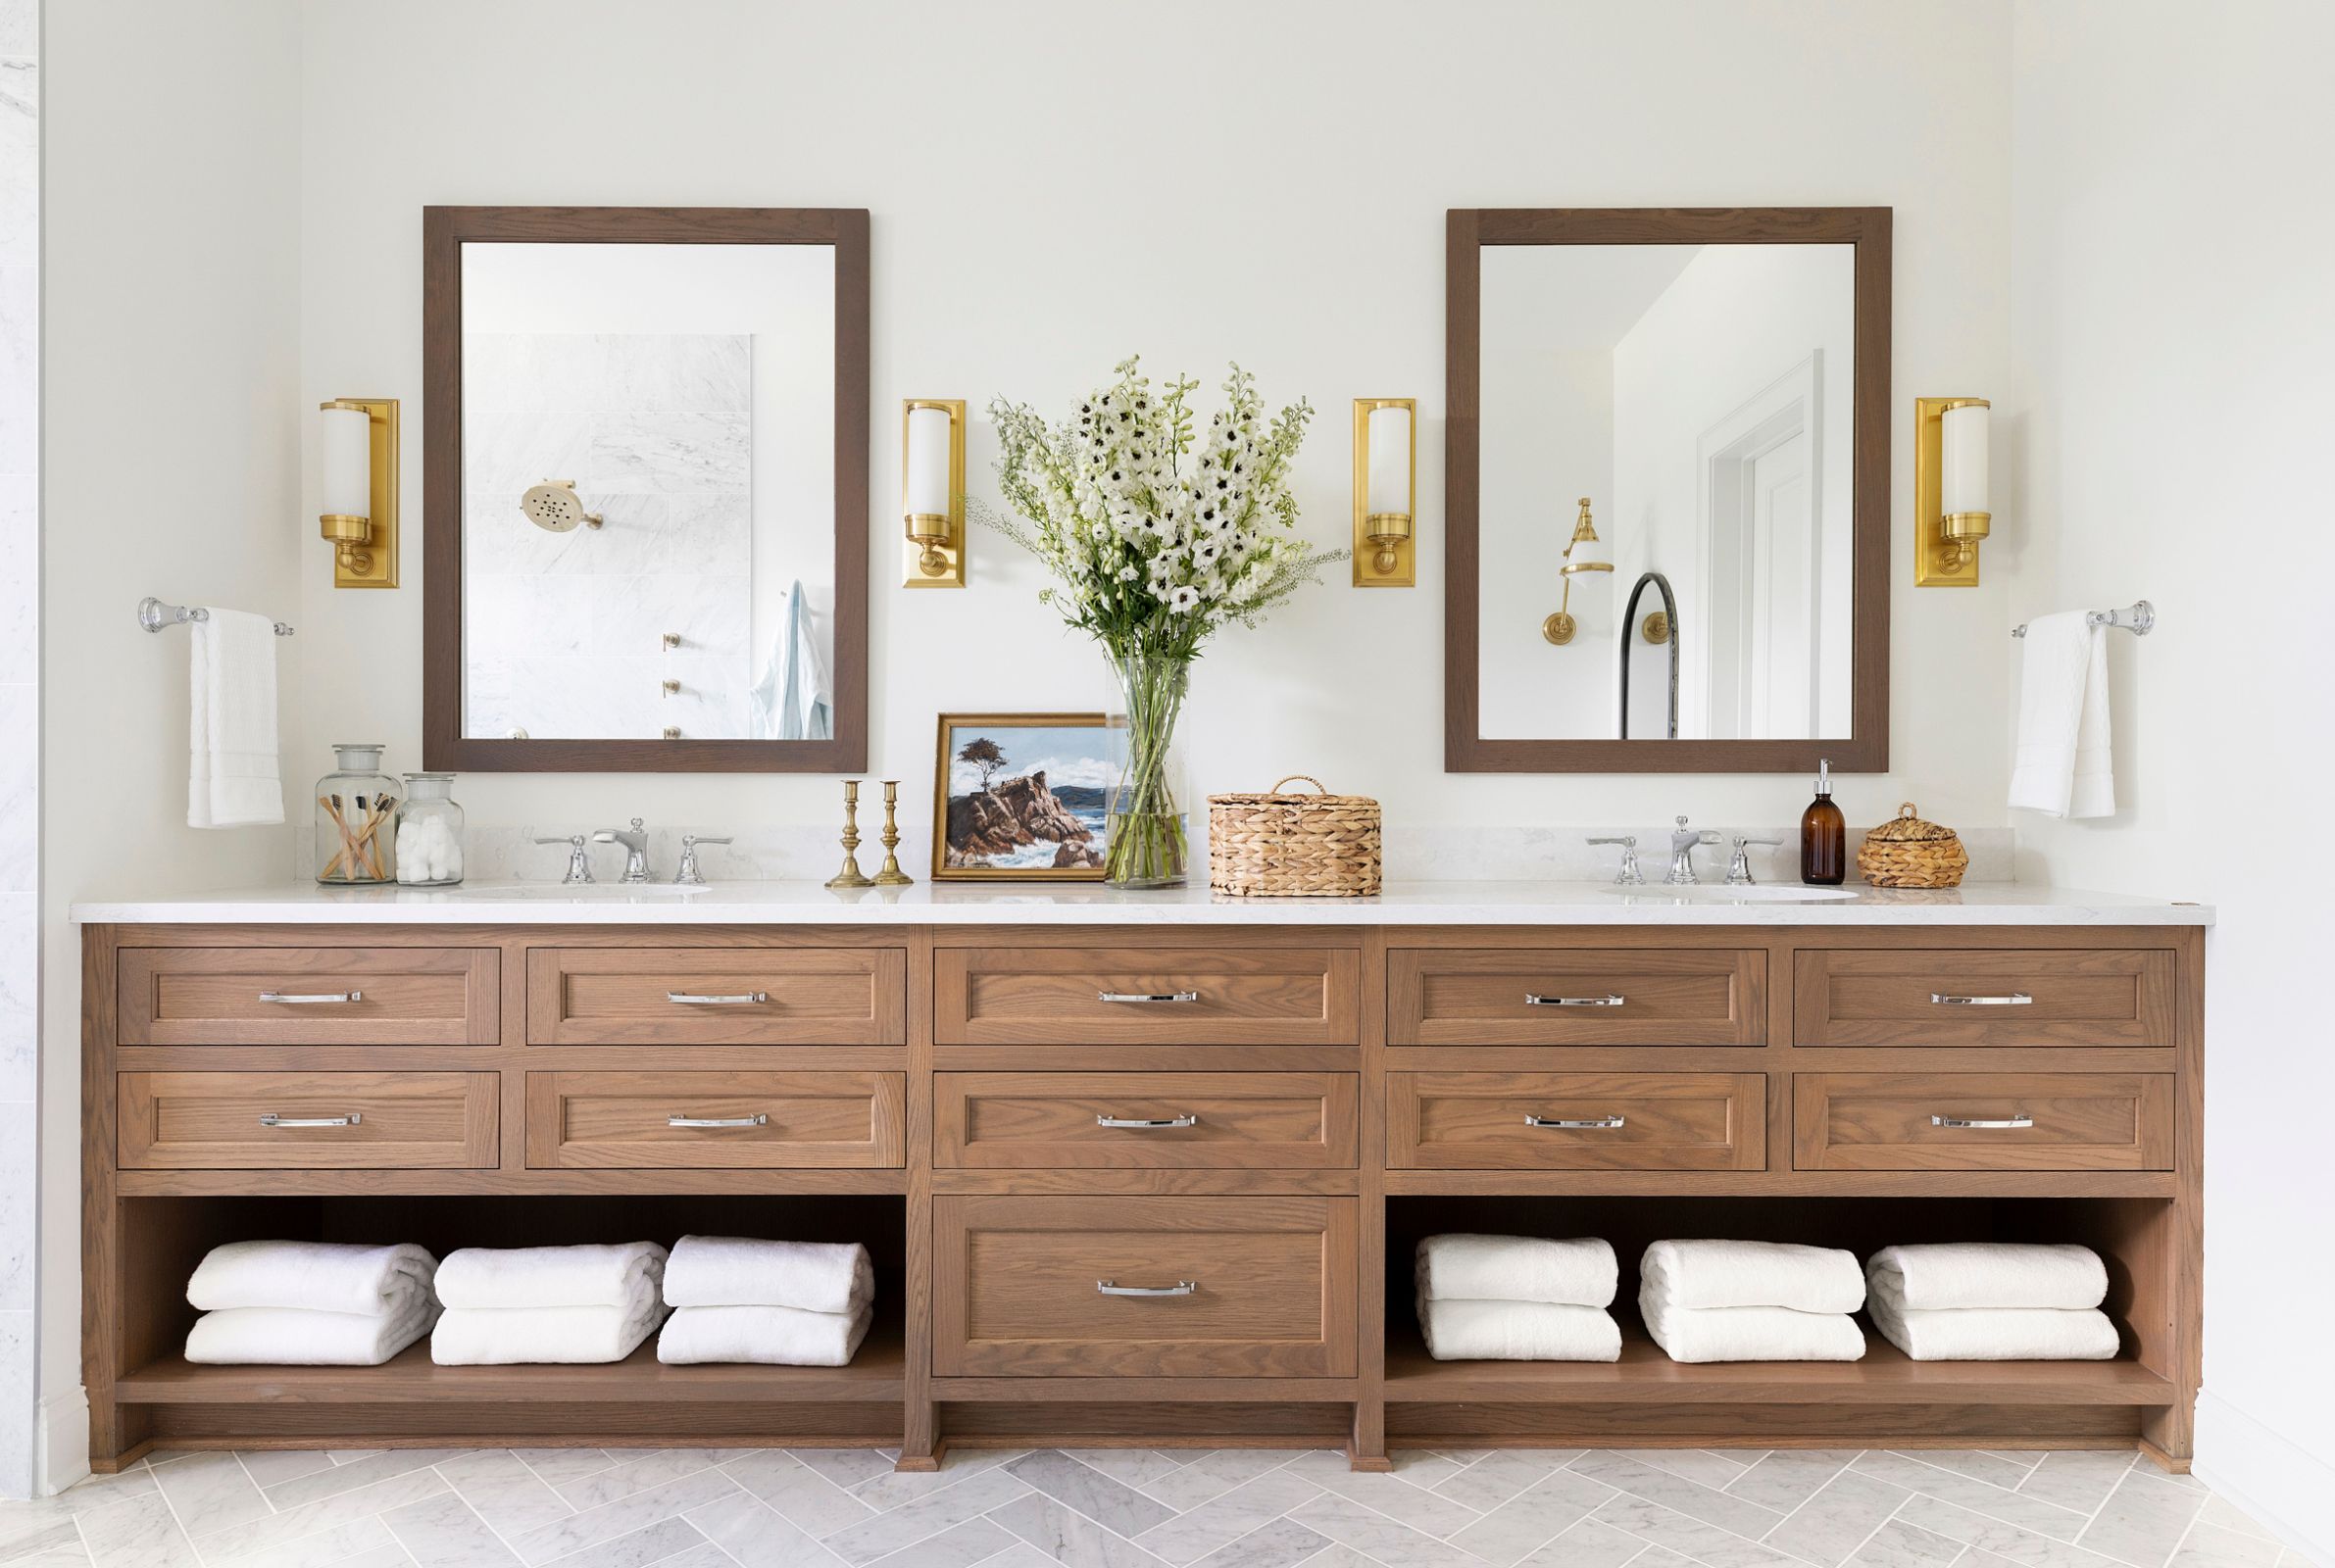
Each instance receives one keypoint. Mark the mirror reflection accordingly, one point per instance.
(648, 483)
(1666, 514)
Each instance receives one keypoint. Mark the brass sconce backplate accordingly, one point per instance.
(1384, 546)
(1656, 629)
(1559, 627)
(932, 546)
(374, 562)
(1938, 561)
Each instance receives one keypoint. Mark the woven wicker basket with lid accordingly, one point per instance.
(1276, 845)
(1907, 852)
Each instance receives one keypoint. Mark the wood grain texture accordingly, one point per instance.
(2112, 997)
(623, 997)
(1244, 994)
(212, 996)
(836, 1120)
(1669, 1122)
(212, 1120)
(1052, 1121)
(1682, 997)
(1883, 1121)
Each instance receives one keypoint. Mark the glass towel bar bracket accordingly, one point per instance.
(154, 615)
(2140, 620)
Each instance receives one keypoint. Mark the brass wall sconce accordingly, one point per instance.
(932, 491)
(1584, 552)
(360, 490)
(1656, 629)
(1385, 491)
(1950, 513)
(552, 505)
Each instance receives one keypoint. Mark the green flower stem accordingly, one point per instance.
(1148, 846)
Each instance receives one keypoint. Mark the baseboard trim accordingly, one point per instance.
(62, 1454)
(2281, 1485)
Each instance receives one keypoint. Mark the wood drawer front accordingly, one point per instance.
(1668, 1120)
(1015, 1284)
(1263, 996)
(2106, 996)
(394, 1120)
(624, 1120)
(770, 995)
(1683, 997)
(1056, 1120)
(329, 996)
(1890, 1121)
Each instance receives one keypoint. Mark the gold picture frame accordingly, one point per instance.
(1058, 740)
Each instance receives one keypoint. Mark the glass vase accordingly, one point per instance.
(1148, 846)
(356, 814)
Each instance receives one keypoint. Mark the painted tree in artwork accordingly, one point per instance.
(984, 754)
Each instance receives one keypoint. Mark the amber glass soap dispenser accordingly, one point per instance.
(1823, 836)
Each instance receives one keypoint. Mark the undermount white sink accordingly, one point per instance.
(1756, 893)
(580, 891)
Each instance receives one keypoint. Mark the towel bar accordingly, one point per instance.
(2140, 620)
(154, 615)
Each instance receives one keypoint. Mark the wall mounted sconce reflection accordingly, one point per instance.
(1385, 491)
(553, 506)
(360, 490)
(932, 491)
(1950, 515)
(1584, 552)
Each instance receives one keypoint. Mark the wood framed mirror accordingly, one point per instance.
(1684, 410)
(645, 483)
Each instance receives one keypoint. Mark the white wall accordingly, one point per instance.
(2174, 323)
(173, 411)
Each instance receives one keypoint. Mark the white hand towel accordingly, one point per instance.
(505, 1279)
(1516, 1269)
(769, 1336)
(481, 1336)
(1945, 1276)
(734, 1271)
(1519, 1330)
(1750, 1332)
(232, 779)
(1708, 1274)
(2008, 1334)
(272, 1336)
(313, 1276)
(2062, 767)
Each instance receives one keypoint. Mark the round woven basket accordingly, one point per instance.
(1280, 846)
(1906, 851)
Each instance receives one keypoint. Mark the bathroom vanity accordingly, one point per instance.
(1144, 1169)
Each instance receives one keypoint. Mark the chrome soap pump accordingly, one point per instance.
(1823, 836)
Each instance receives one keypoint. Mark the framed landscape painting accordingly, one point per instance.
(1023, 796)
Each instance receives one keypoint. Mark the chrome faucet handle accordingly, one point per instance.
(579, 864)
(687, 874)
(1739, 865)
(635, 840)
(1682, 854)
(1629, 876)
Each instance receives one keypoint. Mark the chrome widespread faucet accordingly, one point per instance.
(687, 874)
(1682, 854)
(579, 862)
(1629, 876)
(635, 840)
(1739, 865)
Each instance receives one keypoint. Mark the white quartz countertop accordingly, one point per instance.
(1090, 903)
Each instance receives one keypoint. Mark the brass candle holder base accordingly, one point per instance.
(891, 876)
(851, 876)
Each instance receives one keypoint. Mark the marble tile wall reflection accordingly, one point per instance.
(20, 723)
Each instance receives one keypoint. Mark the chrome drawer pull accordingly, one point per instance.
(295, 998)
(1531, 1120)
(689, 999)
(2016, 1119)
(758, 1119)
(1146, 1121)
(2016, 998)
(352, 1119)
(1179, 1288)
(1142, 996)
(1534, 998)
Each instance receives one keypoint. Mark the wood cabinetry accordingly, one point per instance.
(1143, 1185)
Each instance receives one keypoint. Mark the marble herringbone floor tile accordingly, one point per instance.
(1135, 1508)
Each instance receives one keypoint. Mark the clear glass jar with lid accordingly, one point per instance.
(356, 819)
(430, 832)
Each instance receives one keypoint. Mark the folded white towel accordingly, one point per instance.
(278, 1336)
(771, 1336)
(731, 1271)
(505, 1279)
(2062, 767)
(232, 779)
(313, 1276)
(2006, 1333)
(1706, 1274)
(482, 1336)
(1516, 1269)
(1751, 1333)
(1945, 1276)
(1519, 1330)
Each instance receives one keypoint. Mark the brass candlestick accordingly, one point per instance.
(850, 876)
(891, 876)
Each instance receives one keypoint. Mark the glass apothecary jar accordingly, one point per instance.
(430, 833)
(357, 820)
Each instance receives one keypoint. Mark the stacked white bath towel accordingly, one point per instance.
(309, 1304)
(1517, 1298)
(1992, 1302)
(547, 1304)
(1751, 1302)
(779, 1303)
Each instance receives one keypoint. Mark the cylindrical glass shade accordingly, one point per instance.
(929, 443)
(1390, 461)
(1962, 460)
(347, 462)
